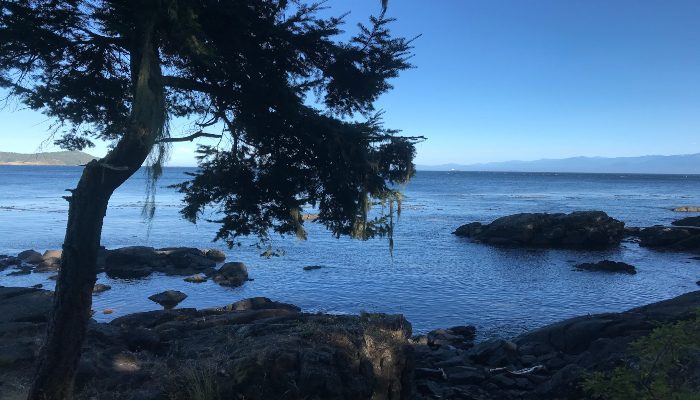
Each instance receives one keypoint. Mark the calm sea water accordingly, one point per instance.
(434, 278)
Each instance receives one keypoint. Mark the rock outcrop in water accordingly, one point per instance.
(608, 266)
(681, 238)
(582, 229)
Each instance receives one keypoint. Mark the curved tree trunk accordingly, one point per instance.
(88, 204)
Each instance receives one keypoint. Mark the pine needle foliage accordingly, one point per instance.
(290, 104)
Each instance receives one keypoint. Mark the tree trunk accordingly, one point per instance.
(87, 207)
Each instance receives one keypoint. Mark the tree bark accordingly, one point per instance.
(67, 326)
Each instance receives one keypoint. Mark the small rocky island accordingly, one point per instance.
(582, 230)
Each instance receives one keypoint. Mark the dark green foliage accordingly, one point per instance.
(293, 105)
(664, 365)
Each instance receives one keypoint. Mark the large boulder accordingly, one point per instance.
(168, 299)
(130, 262)
(30, 256)
(686, 238)
(231, 274)
(582, 229)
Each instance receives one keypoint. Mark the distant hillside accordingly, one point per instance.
(679, 164)
(50, 158)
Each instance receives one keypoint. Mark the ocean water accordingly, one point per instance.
(434, 278)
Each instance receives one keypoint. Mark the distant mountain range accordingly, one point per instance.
(678, 164)
(50, 158)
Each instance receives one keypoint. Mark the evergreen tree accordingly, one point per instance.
(289, 104)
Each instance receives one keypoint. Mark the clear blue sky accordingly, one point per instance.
(499, 80)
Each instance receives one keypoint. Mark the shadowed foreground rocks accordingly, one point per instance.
(252, 349)
(547, 363)
(260, 349)
(582, 229)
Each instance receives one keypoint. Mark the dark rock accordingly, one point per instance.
(30, 256)
(671, 238)
(138, 261)
(38, 286)
(583, 229)
(312, 267)
(608, 266)
(100, 287)
(458, 336)
(24, 305)
(632, 230)
(130, 262)
(169, 298)
(231, 274)
(9, 261)
(435, 374)
(20, 271)
(494, 353)
(466, 375)
(689, 221)
(260, 303)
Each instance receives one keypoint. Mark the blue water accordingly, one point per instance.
(434, 278)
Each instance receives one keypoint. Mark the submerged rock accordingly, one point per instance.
(169, 298)
(231, 274)
(312, 267)
(582, 229)
(608, 266)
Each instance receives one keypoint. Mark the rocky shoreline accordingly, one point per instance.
(261, 349)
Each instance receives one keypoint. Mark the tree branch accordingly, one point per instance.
(189, 138)
(188, 84)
